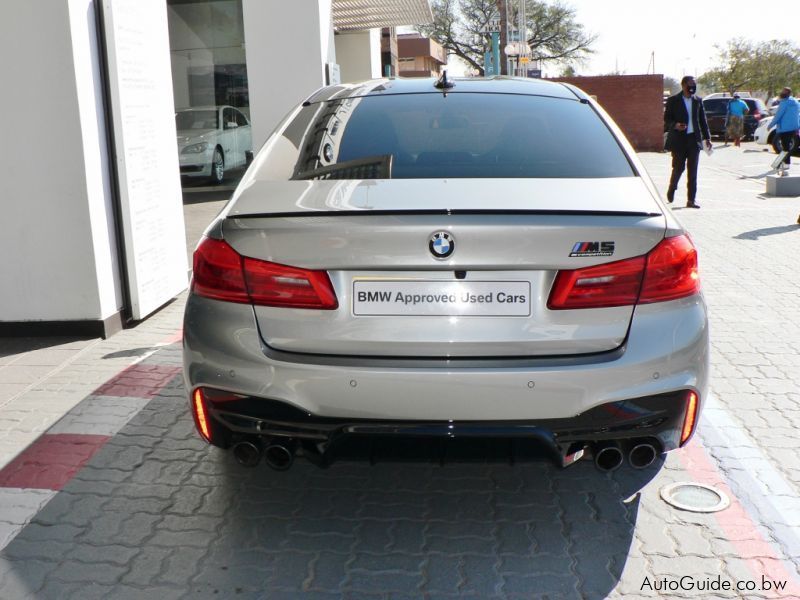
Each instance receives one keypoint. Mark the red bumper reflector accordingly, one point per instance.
(690, 420)
(200, 416)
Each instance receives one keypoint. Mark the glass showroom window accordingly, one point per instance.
(209, 78)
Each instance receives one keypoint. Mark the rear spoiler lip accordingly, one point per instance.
(443, 211)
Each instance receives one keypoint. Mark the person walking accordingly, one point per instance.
(786, 122)
(687, 131)
(737, 109)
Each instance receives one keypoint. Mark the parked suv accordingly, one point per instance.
(717, 115)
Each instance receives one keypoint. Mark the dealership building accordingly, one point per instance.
(92, 202)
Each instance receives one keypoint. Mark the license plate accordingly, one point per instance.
(440, 298)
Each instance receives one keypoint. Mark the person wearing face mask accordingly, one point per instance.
(685, 122)
(786, 122)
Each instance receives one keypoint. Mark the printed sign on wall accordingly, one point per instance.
(140, 82)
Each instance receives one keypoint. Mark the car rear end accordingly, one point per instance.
(402, 262)
(762, 133)
(716, 115)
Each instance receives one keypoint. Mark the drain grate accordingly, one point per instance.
(694, 497)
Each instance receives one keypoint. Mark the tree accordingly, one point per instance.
(777, 66)
(735, 68)
(672, 84)
(554, 33)
(568, 71)
(766, 67)
(457, 27)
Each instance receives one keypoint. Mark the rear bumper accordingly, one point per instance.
(666, 353)
(658, 419)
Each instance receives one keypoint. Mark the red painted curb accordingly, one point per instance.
(51, 461)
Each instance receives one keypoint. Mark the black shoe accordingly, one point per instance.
(692, 205)
(670, 196)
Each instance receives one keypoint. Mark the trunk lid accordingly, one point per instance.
(510, 237)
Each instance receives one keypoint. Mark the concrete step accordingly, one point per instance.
(783, 186)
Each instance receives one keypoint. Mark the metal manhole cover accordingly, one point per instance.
(694, 497)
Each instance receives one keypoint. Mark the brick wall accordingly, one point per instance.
(635, 102)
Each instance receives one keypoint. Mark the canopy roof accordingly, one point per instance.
(354, 15)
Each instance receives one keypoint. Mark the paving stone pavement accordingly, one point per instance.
(121, 499)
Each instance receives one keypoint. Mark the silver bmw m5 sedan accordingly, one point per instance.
(473, 258)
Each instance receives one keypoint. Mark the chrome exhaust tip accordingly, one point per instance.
(279, 456)
(642, 455)
(608, 457)
(247, 454)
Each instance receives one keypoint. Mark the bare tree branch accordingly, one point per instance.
(554, 34)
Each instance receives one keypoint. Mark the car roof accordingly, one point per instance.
(423, 85)
(727, 96)
(727, 99)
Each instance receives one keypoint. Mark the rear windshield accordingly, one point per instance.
(462, 135)
(717, 105)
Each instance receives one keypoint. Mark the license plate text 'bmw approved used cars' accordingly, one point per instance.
(442, 298)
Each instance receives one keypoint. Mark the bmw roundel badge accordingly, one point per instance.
(442, 244)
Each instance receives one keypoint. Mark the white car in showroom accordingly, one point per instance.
(212, 140)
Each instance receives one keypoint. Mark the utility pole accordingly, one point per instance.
(502, 10)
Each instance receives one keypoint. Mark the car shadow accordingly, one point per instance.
(155, 506)
(766, 231)
(468, 527)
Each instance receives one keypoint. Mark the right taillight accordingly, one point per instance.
(667, 272)
(222, 273)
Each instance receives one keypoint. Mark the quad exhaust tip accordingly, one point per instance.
(279, 456)
(642, 455)
(247, 454)
(608, 457)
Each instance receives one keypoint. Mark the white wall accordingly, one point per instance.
(287, 46)
(58, 245)
(359, 55)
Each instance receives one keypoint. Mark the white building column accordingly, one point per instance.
(287, 45)
(58, 243)
(359, 55)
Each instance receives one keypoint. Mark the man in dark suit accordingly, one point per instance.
(687, 131)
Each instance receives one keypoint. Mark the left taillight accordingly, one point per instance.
(222, 273)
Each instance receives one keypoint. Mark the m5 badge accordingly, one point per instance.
(592, 249)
